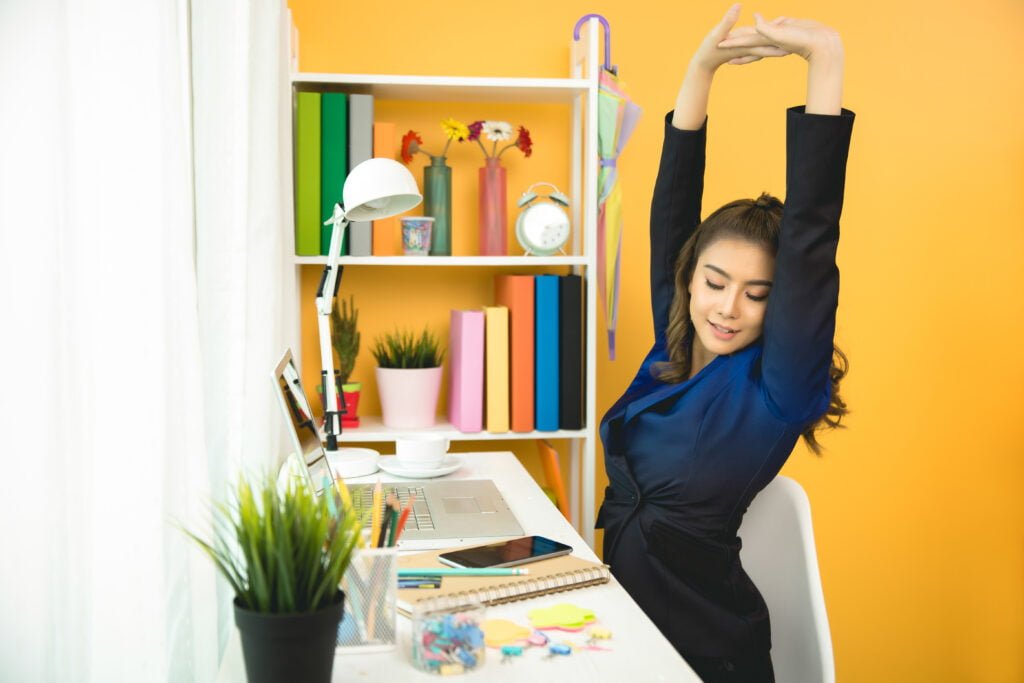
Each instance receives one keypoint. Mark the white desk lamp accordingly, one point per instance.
(375, 189)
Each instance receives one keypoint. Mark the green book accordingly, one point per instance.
(307, 174)
(333, 162)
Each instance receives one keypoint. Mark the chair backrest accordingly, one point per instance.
(779, 555)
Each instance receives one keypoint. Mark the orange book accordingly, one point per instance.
(515, 292)
(386, 232)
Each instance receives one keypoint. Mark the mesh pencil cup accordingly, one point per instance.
(447, 635)
(371, 588)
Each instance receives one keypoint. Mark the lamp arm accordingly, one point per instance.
(330, 281)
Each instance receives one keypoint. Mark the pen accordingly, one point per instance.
(329, 495)
(463, 571)
(386, 524)
(419, 584)
(402, 519)
(394, 507)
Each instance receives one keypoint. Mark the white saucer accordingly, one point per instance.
(390, 464)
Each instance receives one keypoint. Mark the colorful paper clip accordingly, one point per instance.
(510, 651)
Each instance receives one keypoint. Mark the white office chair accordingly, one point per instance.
(779, 555)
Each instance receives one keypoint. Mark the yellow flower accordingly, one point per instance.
(455, 130)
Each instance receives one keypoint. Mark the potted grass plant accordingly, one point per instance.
(409, 370)
(345, 337)
(284, 551)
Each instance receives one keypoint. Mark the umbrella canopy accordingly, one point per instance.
(617, 117)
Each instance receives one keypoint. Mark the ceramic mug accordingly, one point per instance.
(416, 235)
(421, 451)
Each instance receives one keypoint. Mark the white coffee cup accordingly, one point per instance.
(421, 451)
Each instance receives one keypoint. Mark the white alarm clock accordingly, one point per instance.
(543, 226)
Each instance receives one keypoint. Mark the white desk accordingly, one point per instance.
(638, 650)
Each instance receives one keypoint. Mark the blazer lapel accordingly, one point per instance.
(714, 374)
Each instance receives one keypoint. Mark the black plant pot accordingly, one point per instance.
(289, 647)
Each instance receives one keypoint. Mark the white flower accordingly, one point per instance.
(497, 131)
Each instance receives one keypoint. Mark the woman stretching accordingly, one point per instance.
(743, 362)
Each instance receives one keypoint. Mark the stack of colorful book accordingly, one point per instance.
(335, 132)
(518, 365)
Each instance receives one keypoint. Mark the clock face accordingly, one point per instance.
(543, 228)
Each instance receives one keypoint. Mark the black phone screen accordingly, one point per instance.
(507, 554)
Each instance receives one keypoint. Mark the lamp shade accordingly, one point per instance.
(379, 188)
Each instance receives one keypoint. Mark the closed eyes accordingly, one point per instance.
(752, 297)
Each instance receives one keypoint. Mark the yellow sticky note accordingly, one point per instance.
(564, 616)
(498, 632)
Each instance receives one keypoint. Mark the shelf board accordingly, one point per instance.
(448, 88)
(371, 428)
(516, 261)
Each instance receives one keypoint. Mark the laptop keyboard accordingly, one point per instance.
(419, 518)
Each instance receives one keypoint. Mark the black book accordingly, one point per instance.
(570, 352)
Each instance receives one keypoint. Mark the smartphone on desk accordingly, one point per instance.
(506, 553)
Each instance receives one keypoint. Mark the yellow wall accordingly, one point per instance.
(917, 506)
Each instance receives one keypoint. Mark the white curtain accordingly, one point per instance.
(140, 271)
(242, 103)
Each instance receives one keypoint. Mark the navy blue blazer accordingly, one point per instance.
(685, 460)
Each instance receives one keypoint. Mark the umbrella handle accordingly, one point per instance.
(607, 39)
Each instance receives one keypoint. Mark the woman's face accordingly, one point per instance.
(729, 294)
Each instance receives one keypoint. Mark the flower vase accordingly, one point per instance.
(437, 203)
(493, 209)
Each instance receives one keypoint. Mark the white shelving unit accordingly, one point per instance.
(580, 91)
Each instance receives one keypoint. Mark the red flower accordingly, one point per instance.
(524, 142)
(411, 142)
(474, 130)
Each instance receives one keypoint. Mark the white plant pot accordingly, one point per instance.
(408, 397)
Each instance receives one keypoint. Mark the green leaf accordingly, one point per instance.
(281, 551)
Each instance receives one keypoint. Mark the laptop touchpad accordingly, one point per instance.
(460, 505)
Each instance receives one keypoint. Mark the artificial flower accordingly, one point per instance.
(524, 142)
(413, 143)
(455, 130)
(499, 131)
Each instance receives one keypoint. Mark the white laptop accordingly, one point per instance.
(445, 511)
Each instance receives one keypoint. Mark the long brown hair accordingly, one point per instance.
(757, 221)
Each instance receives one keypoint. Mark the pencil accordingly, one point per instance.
(375, 513)
(346, 499)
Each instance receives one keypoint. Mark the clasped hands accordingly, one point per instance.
(727, 43)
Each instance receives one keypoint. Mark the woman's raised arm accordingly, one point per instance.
(675, 208)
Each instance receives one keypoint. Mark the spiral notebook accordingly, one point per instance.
(555, 575)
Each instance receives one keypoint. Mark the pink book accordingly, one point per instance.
(466, 365)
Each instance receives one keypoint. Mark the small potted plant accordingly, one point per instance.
(284, 551)
(408, 377)
(345, 337)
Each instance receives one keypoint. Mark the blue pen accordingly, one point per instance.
(331, 507)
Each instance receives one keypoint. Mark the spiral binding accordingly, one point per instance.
(521, 590)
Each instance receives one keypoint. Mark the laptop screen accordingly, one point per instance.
(299, 418)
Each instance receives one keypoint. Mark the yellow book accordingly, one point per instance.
(496, 368)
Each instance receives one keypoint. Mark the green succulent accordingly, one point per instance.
(406, 350)
(345, 337)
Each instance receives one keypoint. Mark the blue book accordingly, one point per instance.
(546, 352)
